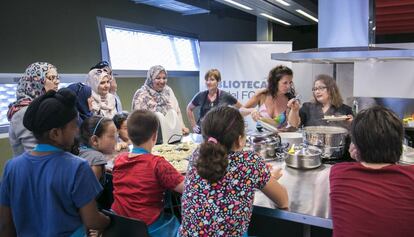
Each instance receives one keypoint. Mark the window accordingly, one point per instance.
(131, 47)
(7, 96)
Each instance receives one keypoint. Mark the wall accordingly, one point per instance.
(65, 33)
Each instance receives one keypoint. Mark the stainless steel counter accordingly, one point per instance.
(308, 197)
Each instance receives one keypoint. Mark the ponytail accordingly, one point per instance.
(221, 129)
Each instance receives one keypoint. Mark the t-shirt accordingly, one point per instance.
(372, 202)
(201, 99)
(139, 185)
(46, 192)
(223, 208)
(93, 157)
(311, 114)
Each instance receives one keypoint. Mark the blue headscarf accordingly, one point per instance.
(83, 92)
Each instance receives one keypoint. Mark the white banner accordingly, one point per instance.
(244, 66)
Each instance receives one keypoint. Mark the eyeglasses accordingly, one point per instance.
(321, 88)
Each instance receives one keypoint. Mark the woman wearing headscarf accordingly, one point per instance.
(104, 65)
(84, 100)
(38, 78)
(156, 96)
(103, 102)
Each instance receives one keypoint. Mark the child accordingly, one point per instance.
(120, 121)
(48, 191)
(221, 181)
(98, 138)
(140, 178)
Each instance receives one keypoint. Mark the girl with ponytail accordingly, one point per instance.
(222, 178)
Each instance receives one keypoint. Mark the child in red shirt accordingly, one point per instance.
(141, 178)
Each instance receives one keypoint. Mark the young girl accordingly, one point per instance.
(56, 189)
(221, 181)
(98, 138)
(141, 178)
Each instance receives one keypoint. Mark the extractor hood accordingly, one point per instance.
(344, 31)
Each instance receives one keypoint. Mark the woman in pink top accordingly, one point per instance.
(374, 196)
(277, 103)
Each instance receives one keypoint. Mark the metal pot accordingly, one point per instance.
(264, 143)
(330, 139)
(325, 136)
(304, 158)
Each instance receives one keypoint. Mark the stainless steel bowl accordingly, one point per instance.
(304, 158)
(264, 143)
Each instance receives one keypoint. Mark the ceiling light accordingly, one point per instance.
(307, 15)
(283, 2)
(239, 5)
(275, 19)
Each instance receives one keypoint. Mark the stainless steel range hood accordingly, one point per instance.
(343, 36)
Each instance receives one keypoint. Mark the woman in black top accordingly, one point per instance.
(327, 102)
(209, 98)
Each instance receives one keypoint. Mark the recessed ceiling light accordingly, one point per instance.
(307, 15)
(239, 5)
(283, 2)
(275, 19)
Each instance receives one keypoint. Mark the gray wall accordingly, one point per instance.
(65, 33)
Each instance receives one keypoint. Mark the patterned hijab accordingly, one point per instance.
(160, 98)
(30, 86)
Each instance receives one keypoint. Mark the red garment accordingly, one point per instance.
(372, 202)
(140, 183)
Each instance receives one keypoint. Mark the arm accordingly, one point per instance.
(190, 114)
(97, 170)
(293, 116)
(92, 218)
(179, 188)
(7, 228)
(249, 107)
(238, 105)
(277, 193)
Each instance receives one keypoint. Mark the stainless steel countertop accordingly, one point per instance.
(308, 196)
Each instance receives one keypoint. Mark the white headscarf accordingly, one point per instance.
(102, 104)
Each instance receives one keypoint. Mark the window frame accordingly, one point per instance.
(103, 22)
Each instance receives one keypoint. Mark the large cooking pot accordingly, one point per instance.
(304, 157)
(331, 140)
(264, 143)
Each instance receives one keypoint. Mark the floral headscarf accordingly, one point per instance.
(101, 105)
(148, 98)
(30, 86)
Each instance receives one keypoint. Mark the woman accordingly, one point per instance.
(156, 96)
(276, 102)
(374, 196)
(103, 102)
(39, 78)
(84, 100)
(209, 98)
(104, 65)
(327, 102)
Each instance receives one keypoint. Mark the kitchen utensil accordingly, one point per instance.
(304, 157)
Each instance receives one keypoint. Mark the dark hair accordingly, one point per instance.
(215, 73)
(226, 125)
(377, 132)
(101, 65)
(95, 125)
(142, 124)
(51, 110)
(119, 119)
(275, 75)
(332, 88)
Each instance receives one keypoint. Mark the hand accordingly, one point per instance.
(349, 119)
(196, 129)
(185, 131)
(354, 152)
(293, 104)
(255, 115)
(276, 173)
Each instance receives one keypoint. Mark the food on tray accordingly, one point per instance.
(176, 154)
(335, 118)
